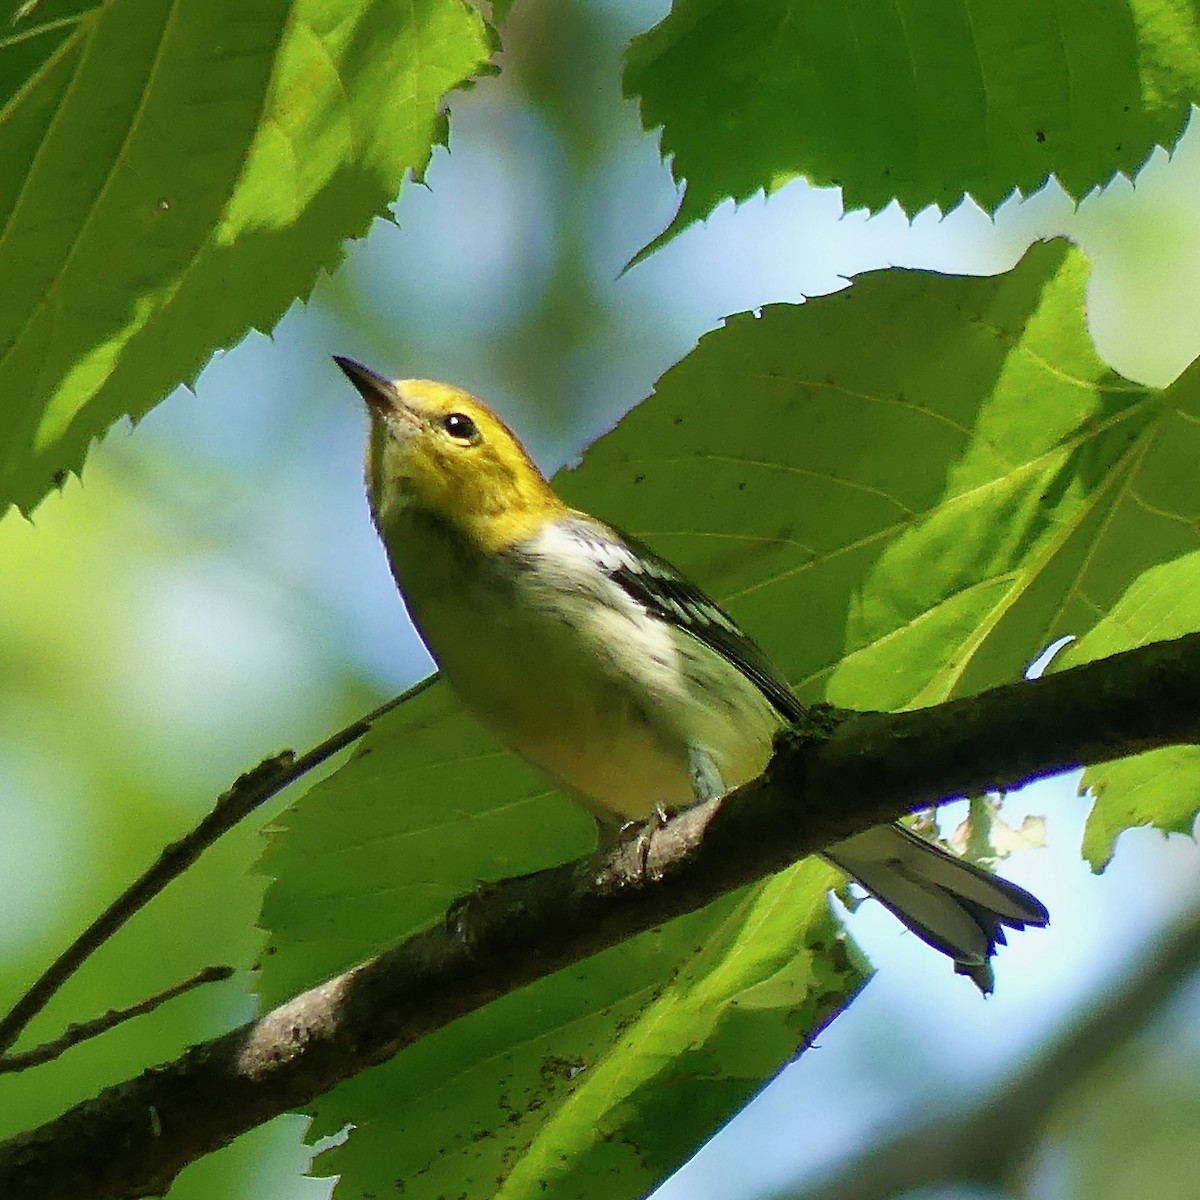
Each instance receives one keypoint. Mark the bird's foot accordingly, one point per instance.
(642, 834)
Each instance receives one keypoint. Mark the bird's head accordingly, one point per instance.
(437, 451)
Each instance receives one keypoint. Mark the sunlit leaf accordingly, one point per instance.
(905, 491)
(174, 173)
(1155, 519)
(922, 103)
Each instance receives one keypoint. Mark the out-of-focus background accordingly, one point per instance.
(214, 590)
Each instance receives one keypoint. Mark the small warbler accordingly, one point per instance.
(594, 660)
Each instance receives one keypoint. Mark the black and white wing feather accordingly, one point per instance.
(661, 589)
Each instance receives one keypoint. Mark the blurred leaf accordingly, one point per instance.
(991, 838)
(1128, 1130)
(500, 10)
(89, 795)
(176, 173)
(922, 103)
(604, 1076)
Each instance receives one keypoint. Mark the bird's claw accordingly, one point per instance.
(642, 833)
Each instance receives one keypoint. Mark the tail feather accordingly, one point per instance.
(953, 905)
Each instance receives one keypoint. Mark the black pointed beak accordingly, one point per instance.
(377, 391)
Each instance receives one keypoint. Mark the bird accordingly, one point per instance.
(597, 662)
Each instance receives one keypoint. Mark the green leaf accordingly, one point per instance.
(894, 487)
(429, 806)
(603, 1078)
(965, 482)
(1153, 527)
(904, 491)
(572, 1078)
(1161, 789)
(918, 102)
(174, 173)
(1141, 583)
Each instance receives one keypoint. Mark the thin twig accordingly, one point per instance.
(249, 792)
(86, 1030)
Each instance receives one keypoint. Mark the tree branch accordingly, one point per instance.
(837, 776)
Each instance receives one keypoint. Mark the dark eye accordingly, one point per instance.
(460, 427)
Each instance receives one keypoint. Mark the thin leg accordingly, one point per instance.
(707, 783)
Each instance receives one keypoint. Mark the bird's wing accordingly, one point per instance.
(661, 589)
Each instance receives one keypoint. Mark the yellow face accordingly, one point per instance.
(437, 449)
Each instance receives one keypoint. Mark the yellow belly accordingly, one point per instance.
(605, 703)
